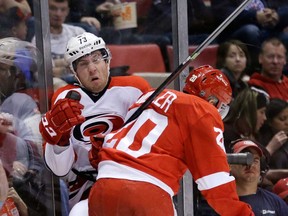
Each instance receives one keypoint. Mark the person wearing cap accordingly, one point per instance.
(246, 116)
(281, 189)
(96, 104)
(248, 177)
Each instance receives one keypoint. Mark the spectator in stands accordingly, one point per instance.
(281, 6)
(24, 10)
(274, 133)
(126, 36)
(246, 119)
(257, 22)
(27, 165)
(24, 108)
(13, 24)
(101, 10)
(17, 142)
(10, 202)
(24, 112)
(281, 189)
(95, 17)
(18, 66)
(233, 59)
(200, 20)
(23, 5)
(60, 34)
(156, 27)
(19, 113)
(80, 15)
(247, 180)
(272, 59)
(246, 116)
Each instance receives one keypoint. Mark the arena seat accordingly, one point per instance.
(207, 56)
(139, 57)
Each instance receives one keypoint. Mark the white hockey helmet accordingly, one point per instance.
(19, 53)
(82, 45)
(19, 60)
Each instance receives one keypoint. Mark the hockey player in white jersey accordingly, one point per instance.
(97, 104)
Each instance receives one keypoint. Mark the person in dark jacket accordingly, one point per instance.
(260, 20)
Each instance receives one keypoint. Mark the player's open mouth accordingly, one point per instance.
(96, 78)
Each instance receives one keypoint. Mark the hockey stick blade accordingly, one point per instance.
(185, 63)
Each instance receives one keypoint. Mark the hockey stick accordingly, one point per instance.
(193, 56)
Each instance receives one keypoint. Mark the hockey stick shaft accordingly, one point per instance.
(193, 56)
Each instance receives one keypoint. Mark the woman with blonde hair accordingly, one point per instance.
(246, 116)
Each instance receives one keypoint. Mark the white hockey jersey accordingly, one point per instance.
(103, 113)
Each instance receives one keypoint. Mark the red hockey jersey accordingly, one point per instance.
(175, 133)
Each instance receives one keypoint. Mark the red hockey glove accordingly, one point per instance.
(97, 142)
(65, 114)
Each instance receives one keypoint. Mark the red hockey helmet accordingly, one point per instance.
(210, 84)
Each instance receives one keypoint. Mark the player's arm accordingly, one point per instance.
(211, 170)
(59, 159)
(55, 127)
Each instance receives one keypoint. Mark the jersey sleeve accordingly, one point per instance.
(59, 159)
(207, 161)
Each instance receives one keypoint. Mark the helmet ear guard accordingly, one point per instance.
(207, 82)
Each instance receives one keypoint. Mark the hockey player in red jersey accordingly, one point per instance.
(97, 104)
(140, 165)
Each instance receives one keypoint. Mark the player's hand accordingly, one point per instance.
(65, 114)
(97, 142)
(92, 21)
(6, 123)
(277, 142)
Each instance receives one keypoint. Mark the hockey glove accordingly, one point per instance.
(97, 142)
(65, 114)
